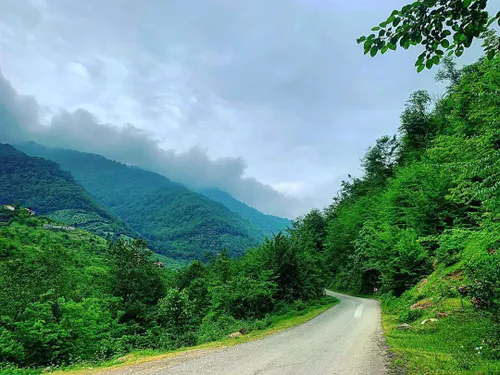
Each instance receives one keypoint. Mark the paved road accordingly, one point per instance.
(345, 340)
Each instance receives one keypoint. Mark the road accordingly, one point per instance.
(345, 340)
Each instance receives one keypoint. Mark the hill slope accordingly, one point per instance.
(421, 227)
(174, 220)
(42, 185)
(266, 223)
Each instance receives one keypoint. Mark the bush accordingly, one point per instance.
(215, 327)
(408, 316)
(484, 288)
(451, 244)
(176, 317)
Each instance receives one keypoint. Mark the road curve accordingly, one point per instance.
(345, 340)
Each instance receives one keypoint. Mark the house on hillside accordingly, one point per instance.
(159, 264)
(30, 211)
(62, 227)
(9, 207)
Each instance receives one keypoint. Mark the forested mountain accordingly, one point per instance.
(174, 220)
(266, 223)
(43, 186)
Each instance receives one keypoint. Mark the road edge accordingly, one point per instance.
(140, 357)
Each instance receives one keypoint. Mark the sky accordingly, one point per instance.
(271, 101)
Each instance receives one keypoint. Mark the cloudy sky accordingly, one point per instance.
(272, 101)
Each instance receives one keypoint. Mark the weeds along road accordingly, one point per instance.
(344, 340)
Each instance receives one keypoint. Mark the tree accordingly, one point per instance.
(438, 25)
(449, 73)
(380, 160)
(136, 280)
(416, 126)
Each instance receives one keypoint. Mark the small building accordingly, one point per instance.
(159, 264)
(9, 207)
(30, 211)
(62, 227)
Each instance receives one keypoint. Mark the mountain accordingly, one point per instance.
(268, 224)
(173, 219)
(43, 186)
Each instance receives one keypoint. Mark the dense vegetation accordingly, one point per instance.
(43, 186)
(67, 297)
(173, 219)
(423, 222)
(268, 224)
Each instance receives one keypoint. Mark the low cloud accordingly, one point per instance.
(81, 130)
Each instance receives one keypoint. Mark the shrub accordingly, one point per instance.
(216, 326)
(408, 316)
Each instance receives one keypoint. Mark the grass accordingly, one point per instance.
(449, 346)
(280, 323)
(455, 344)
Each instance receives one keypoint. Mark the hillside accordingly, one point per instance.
(422, 226)
(43, 186)
(75, 298)
(266, 223)
(174, 220)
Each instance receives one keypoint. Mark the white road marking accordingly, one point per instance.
(358, 311)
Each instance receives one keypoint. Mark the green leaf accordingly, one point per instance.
(445, 43)
(459, 52)
(392, 46)
(396, 21)
(384, 49)
(373, 51)
(420, 68)
(439, 52)
(376, 28)
(361, 39)
(466, 3)
(420, 60)
(429, 64)
(491, 54)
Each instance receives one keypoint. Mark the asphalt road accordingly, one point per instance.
(345, 340)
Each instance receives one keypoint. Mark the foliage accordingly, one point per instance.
(68, 297)
(438, 25)
(421, 225)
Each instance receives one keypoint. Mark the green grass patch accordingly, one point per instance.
(456, 344)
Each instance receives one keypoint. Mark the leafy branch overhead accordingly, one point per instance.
(441, 26)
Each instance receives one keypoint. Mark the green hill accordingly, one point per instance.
(422, 226)
(173, 219)
(266, 223)
(43, 186)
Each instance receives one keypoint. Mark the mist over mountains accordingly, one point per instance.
(21, 119)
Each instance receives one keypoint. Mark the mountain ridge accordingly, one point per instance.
(173, 219)
(42, 185)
